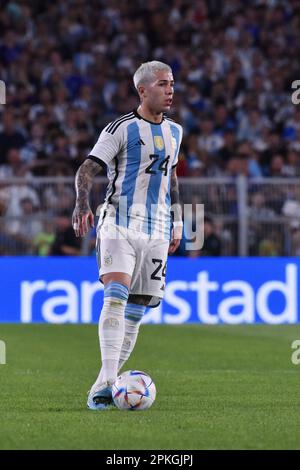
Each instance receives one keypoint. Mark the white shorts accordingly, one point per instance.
(124, 250)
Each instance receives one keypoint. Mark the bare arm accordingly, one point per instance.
(177, 213)
(82, 215)
(174, 193)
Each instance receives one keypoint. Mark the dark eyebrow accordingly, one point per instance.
(165, 81)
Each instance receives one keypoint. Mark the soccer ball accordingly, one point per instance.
(133, 390)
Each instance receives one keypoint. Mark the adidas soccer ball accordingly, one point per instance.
(133, 390)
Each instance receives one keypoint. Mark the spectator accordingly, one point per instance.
(68, 73)
(14, 166)
(232, 88)
(212, 242)
(258, 209)
(65, 243)
(228, 148)
(10, 136)
(291, 208)
(44, 240)
(277, 166)
(209, 140)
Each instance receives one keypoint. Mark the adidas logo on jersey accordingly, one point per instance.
(135, 143)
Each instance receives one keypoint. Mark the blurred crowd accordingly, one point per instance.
(68, 70)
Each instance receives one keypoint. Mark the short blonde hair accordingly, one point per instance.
(146, 72)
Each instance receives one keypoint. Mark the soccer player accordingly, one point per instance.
(137, 225)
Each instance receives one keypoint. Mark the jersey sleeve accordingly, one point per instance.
(107, 146)
(178, 138)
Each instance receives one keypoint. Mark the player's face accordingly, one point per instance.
(159, 94)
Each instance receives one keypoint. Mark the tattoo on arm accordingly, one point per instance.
(84, 181)
(174, 194)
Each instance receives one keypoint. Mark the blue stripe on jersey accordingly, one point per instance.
(155, 180)
(168, 204)
(175, 134)
(131, 172)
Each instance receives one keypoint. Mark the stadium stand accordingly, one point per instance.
(68, 71)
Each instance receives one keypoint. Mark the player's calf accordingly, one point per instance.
(112, 328)
(133, 317)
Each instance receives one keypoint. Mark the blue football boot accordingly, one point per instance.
(101, 398)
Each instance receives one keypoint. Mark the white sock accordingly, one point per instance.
(111, 330)
(131, 334)
(133, 317)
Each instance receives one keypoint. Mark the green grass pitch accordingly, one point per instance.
(218, 387)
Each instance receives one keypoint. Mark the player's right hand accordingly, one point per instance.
(175, 240)
(82, 220)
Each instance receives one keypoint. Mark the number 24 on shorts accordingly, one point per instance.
(155, 274)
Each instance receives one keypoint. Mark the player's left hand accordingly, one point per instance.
(175, 242)
(82, 220)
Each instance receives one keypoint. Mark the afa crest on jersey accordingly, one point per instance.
(158, 142)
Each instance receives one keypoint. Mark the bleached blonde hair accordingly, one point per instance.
(146, 72)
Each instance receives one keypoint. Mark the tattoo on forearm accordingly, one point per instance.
(174, 189)
(174, 194)
(83, 183)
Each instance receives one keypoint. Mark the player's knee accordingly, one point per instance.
(115, 291)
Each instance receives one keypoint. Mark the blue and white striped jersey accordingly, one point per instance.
(139, 156)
